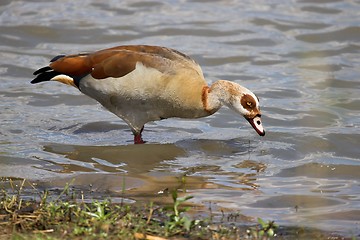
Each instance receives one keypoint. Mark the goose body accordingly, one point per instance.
(141, 83)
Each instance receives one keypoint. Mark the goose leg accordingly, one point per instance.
(138, 138)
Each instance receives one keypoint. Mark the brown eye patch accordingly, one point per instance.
(248, 102)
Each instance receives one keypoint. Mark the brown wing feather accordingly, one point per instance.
(164, 52)
(73, 65)
(117, 64)
(119, 61)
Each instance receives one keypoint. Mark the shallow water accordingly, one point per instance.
(300, 57)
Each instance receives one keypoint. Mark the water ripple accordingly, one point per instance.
(299, 57)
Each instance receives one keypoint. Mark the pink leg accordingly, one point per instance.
(138, 138)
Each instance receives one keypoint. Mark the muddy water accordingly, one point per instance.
(300, 57)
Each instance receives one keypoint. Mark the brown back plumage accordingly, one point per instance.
(121, 60)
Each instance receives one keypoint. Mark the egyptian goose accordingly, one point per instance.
(141, 83)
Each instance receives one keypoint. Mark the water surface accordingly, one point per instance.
(300, 57)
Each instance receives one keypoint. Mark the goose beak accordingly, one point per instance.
(257, 124)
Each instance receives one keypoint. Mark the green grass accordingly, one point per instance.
(67, 216)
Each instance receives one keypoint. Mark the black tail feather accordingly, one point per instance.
(57, 57)
(47, 73)
(41, 70)
(44, 75)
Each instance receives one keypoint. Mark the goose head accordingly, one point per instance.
(239, 99)
(246, 103)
